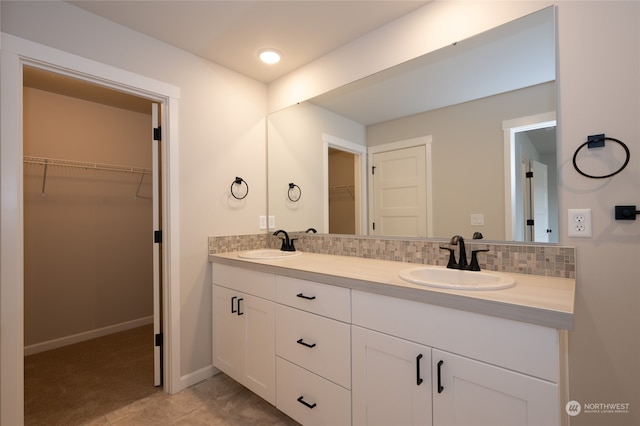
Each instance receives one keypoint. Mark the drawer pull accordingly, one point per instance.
(233, 309)
(305, 403)
(418, 378)
(302, 342)
(440, 387)
(239, 312)
(301, 295)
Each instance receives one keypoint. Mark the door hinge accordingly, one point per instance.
(157, 236)
(159, 339)
(529, 222)
(529, 174)
(157, 133)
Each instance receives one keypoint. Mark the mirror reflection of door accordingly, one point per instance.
(534, 218)
(535, 202)
(540, 205)
(399, 192)
(342, 196)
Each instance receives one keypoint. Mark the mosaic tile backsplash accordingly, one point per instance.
(533, 259)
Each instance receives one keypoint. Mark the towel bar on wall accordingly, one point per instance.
(598, 141)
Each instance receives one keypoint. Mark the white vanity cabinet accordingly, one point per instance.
(244, 327)
(391, 380)
(483, 370)
(470, 392)
(331, 355)
(313, 348)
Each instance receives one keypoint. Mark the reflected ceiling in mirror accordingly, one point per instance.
(455, 102)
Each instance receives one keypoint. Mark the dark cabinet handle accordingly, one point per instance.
(233, 309)
(418, 378)
(302, 342)
(305, 403)
(305, 297)
(440, 387)
(239, 312)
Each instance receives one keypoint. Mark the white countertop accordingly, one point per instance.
(534, 299)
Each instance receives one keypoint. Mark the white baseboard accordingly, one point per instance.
(196, 377)
(86, 335)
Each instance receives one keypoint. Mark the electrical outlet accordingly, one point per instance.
(263, 222)
(579, 223)
(272, 222)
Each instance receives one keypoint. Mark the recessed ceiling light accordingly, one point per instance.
(269, 56)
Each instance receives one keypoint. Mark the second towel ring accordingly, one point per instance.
(292, 190)
(597, 141)
(239, 181)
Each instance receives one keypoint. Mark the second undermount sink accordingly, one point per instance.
(456, 279)
(267, 254)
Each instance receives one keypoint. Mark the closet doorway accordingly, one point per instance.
(91, 206)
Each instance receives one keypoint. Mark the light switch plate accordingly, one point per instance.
(272, 222)
(477, 219)
(263, 222)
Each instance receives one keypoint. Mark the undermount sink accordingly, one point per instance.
(266, 254)
(456, 279)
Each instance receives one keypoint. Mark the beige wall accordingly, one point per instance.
(604, 349)
(88, 257)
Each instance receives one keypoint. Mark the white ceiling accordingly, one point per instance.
(230, 33)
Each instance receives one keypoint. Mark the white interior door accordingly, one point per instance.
(540, 189)
(400, 192)
(157, 246)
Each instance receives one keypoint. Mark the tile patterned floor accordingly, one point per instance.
(216, 401)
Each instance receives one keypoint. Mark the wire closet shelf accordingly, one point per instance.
(85, 165)
(46, 162)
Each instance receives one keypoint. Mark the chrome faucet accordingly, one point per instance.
(457, 240)
(287, 244)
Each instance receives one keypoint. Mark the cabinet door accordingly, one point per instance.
(227, 332)
(244, 339)
(391, 380)
(469, 392)
(259, 346)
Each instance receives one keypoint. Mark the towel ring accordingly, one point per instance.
(597, 141)
(239, 181)
(292, 187)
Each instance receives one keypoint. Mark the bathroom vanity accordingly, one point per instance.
(343, 340)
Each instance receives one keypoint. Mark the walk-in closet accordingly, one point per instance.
(88, 247)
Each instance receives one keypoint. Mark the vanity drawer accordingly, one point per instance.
(322, 299)
(319, 344)
(247, 281)
(296, 387)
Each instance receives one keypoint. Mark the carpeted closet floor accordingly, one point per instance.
(109, 382)
(71, 385)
